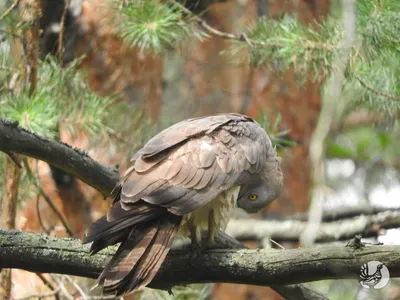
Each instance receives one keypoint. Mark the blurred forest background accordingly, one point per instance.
(323, 78)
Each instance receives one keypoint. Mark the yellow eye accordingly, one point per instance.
(253, 197)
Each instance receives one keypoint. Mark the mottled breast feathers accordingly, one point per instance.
(187, 165)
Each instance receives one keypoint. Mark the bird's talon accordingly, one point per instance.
(196, 250)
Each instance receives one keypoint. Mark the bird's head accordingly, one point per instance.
(262, 189)
(379, 267)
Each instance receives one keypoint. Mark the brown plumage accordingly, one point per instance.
(187, 178)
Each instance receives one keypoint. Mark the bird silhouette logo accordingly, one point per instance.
(374, 275)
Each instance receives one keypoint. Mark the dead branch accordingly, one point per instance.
(290, 230)
(346, 212)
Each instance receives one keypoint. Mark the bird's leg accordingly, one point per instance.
(218, 239)
(195, 240)
(212, 229)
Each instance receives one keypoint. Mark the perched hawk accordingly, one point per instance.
(187, 178)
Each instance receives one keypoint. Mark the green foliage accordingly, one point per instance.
(279, 138)
(374, 84)
(372, 77)
(32, 113)
(366, 144)
(63, 98)
(284, 43)
(157, 26)
(380, 26)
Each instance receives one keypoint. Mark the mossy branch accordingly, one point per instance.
(40, 253)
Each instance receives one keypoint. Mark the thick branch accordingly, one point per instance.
(71, 160)
(290, 230)
(40, 253)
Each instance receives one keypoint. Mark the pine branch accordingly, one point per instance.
(375, 91)
(213, 31)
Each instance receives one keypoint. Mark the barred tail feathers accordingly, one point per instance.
(146, 236)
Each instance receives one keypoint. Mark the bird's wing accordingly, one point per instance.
(189, 164)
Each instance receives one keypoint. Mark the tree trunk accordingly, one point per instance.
(8, 211)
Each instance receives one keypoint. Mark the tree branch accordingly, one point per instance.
(290, 230)
(40, 253)
(9, 10)
(71, 160)
(346, 212)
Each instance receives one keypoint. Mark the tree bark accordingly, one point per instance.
(8, 212)
(71, 160)
(44, 254)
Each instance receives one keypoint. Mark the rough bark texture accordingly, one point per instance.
(7, 215)
(41, 253)
(73, 161)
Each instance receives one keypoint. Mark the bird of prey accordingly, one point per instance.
(186, 179)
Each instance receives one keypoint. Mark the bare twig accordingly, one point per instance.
(62, 287)
(62, 28)
(76, 287)
(48, 200)
(50, 285)
(47, 231)
(15, 159)
(277, 244)
(9, 10)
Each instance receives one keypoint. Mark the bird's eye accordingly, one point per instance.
(253, 197)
